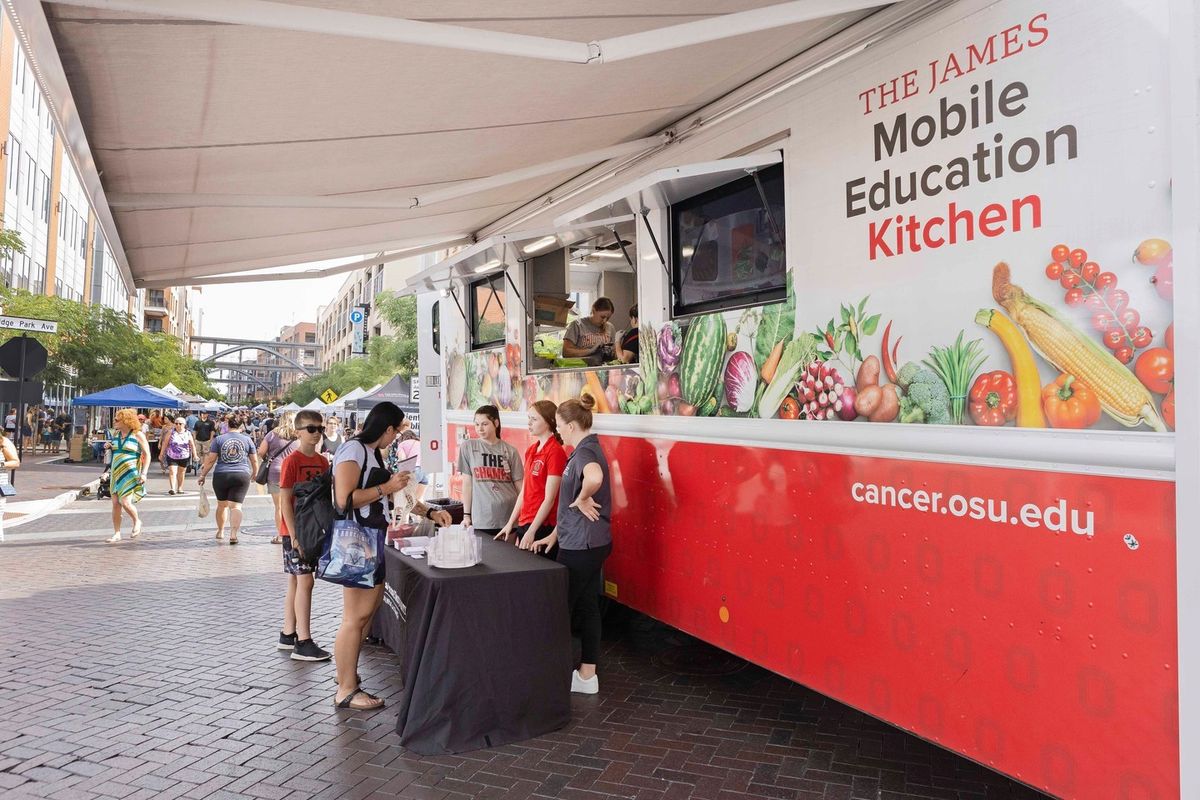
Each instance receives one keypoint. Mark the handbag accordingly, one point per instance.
(352, 554)
(202, 504)
(264, 469)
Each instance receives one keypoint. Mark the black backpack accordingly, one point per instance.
(314, 514)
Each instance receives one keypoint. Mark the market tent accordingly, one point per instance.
(288, 407)
(398, 390)
(172, 389)
(260, 407)
(349, 396)
(129, 395)
(316, 405)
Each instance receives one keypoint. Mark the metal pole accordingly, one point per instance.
(20, 409)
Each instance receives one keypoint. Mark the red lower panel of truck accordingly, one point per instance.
(1025, 619)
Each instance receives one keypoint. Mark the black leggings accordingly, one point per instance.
(584, 569)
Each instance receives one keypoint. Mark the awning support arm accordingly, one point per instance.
(454, 296)
(762, 195)
(644, 213)
(621, 244)
(520, 299)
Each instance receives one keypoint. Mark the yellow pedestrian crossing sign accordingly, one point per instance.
(328, 396)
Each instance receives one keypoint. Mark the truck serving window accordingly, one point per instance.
(727, 245)
(565, 283)
(486, 300)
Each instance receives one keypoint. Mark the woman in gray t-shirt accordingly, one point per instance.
(591, 338)
(492, 472)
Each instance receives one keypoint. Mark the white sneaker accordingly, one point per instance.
(589, 686)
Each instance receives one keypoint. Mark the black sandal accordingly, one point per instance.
(348, 699)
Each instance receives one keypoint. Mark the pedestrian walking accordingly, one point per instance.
(49, 435)
(583, 533)
(127, 473)
(408, 445)
(8, 452)
(179, 451)
(334, 435)
(166, 428)
(10, 425)
(492, 473)
(303, 462)
(277, 444)
(63, 420)
(232, 460)
(203, 434)
(362, 483)
(536, 511)
(28, 425)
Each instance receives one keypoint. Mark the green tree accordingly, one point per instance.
(97, 348)
(386, 355)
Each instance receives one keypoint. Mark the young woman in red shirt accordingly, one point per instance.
(536, 511)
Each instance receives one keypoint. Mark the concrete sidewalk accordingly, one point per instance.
(46, 483)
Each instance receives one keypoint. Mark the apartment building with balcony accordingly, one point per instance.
(361, 287)
(170, 311)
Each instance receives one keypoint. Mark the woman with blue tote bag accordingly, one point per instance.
(362, 487)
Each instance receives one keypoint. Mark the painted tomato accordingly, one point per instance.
(1155, 368)
(1168, 409)
(789, 408)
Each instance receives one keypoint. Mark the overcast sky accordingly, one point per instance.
(259, 310)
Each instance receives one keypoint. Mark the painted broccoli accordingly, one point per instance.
(923, 396)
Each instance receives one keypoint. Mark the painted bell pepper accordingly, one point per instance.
(993, 398)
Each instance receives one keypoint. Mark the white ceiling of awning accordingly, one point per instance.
(186, 106)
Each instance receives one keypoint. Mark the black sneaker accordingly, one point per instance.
(307, 650)
(287, 641)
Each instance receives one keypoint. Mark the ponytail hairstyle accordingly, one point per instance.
(492, 413)
(546, 410)
(578, 411)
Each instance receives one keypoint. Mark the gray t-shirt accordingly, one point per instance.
(583, 333)
(233, 451)
(494, 470)
(356, 451)
(575, 531)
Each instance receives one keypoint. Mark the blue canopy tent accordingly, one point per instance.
(130, 395)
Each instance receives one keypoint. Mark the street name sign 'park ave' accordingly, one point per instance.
(26, 325)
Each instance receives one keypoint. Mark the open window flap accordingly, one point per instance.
(661, 188)
(500, 251)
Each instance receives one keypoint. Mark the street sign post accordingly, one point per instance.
(23, 358)
(328, 396)
(358, 319)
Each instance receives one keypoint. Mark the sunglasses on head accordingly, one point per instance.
(313, 428)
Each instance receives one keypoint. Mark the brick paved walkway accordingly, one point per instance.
(148, 670)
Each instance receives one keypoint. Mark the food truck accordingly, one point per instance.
(902, 423)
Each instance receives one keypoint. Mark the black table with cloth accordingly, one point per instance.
(486, 649)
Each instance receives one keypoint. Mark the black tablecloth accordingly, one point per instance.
(486, 650)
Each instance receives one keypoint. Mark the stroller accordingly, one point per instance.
(104, 489)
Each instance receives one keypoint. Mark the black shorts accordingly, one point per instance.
(180, 462)
(231, 486)
(292, 564)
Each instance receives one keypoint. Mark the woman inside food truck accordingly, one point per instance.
(627, 343)
(591, 338)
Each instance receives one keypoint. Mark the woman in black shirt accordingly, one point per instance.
(627, 346)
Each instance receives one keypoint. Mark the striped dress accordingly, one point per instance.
(123, 479)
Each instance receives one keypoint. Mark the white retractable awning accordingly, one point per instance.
(223, 136)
